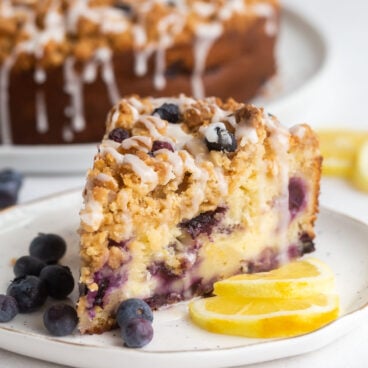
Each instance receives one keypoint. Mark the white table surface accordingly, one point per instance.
(340, 101)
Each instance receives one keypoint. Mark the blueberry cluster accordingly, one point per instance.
(37, 276)
(10, 184)
(134, 317)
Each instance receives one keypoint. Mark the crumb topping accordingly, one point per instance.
(161, 159)
(50, 30)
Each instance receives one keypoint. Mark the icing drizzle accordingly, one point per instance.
(191, 155)
(59, 25)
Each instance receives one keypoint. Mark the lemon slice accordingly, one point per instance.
(333, 166)
(264, 318)
(294, 280)
(360, 173)
(338, 148)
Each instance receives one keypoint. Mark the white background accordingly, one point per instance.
(340, 101)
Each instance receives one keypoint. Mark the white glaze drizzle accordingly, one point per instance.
(140, 142)
(177, 163)
(5, 70)
(145, 172)
(40, 75)
(172, 21)
(104, 55)
(203, 9)
(107, 148)
(193, 157)
(230, 7)
(246, 134)
(176, 132)
(159, 80)
(92, 214)
(221, 180)
(268, 12)
(135, 104)
(7, 9)
(206, 35)
(68, 134)
(74, 88)
(106, 178)
(42, 123)
(58, 25)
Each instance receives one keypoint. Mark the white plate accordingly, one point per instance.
(301, 55)
(341, 242)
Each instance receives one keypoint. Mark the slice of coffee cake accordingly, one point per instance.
(185, 192)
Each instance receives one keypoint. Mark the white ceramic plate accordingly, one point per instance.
(301, 55)
(341, 242)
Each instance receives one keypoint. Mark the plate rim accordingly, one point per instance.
(350, 319)
(279, 104)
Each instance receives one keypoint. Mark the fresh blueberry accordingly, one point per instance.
(47, 247)
(103, 285)
(157, 145)
(162, 272)
(137, 333)
(118, 135)
(204, 223)
(218, 138)
(8, 308)
(171, 3)
(10, 183)
(28, 265)
(126, 8)
(60, 319)
(266, 261)
(29, 292)
(59, 281)
(296, 196)
(122, 244)
(307, 243)
(133, 308)
(169, 112)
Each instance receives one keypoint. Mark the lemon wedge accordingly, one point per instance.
(294, 280)
(264, 318)
(360, 173)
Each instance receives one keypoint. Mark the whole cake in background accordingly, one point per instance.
(64, 63)
(185, 192)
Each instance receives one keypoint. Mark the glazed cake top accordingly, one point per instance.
(50, 30)
(169, 159)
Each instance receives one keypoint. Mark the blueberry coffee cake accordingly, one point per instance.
(185, 192)
(66, 62)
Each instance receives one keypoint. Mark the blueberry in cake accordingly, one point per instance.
(68, 61)
(185, 192)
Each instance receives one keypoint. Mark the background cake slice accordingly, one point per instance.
(66, 62)
(185, 192)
